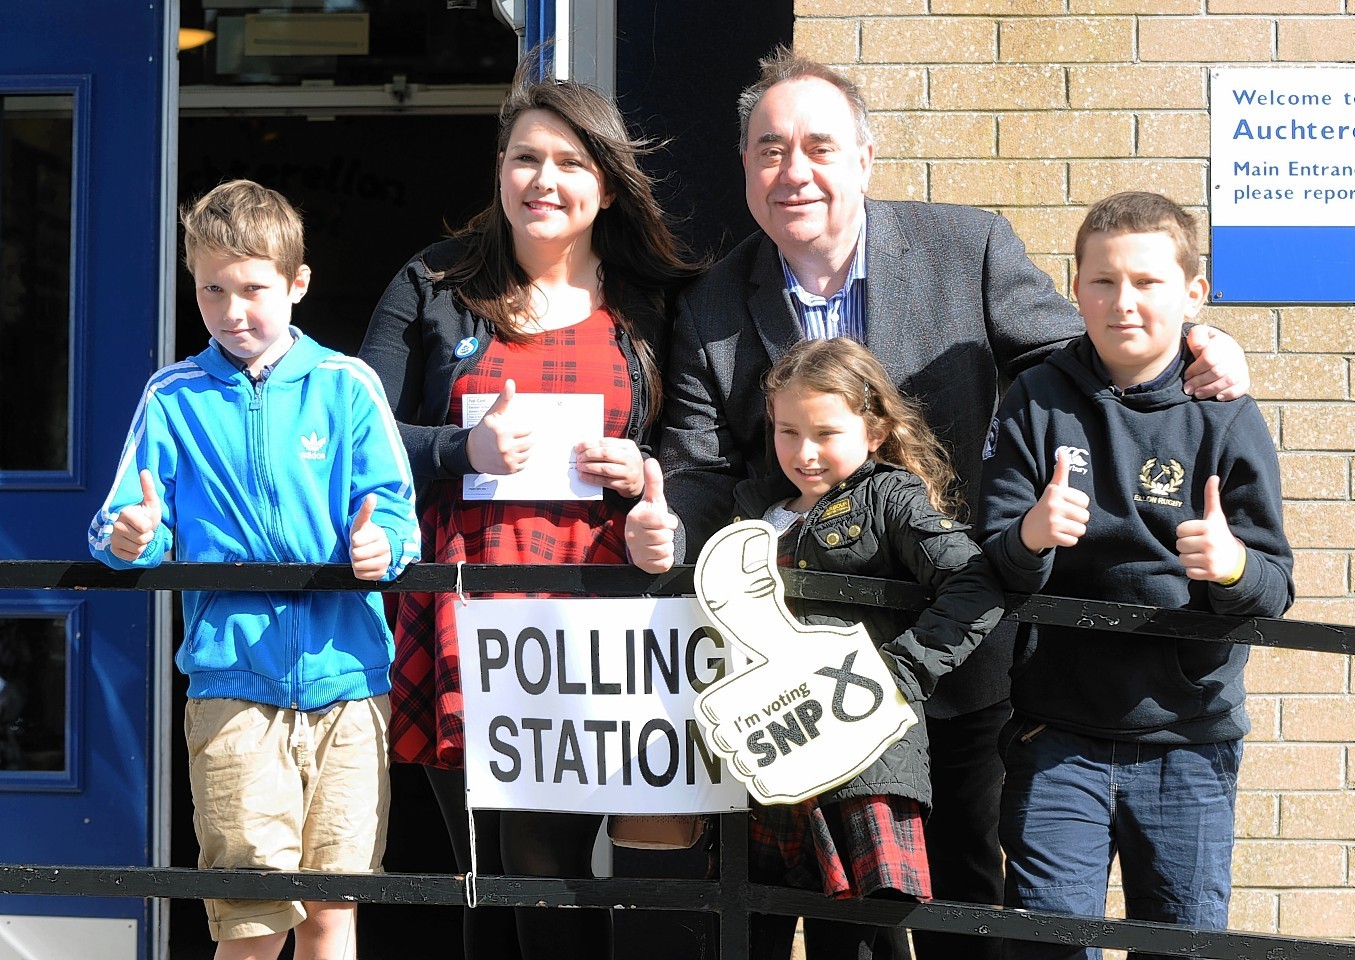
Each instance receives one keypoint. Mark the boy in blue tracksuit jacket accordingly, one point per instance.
(267, 447)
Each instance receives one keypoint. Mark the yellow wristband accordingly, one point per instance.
(1236, 575)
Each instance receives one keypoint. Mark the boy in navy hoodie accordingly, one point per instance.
(267, 447)
(1104, 480)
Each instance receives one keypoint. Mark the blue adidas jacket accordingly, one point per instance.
(273, 472)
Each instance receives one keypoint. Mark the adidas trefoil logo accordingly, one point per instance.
(313, 447)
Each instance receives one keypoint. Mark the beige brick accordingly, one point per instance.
(892, 87)
(1291, 766)
(996, 183)
(1271, 411)
(1257, 911)
(1294, 671)
(1152, 7)
(1280, 863)
(1322, 573)
(828, 41)
(1204, 39)
(899, 180)
(1264, 713)
(1317, 816)
(1308, 377)
(1335, 611)
(858, 8)
(1319, 38)
(1315, 476)
(1252, 327)
(1066, 134)
(1258, 815)
(1324, 525)
(1317, 330)
(1005, 8)
(928, 40)
(1115, 899)
(1319, 426)
(1065, 40)
(1046, 229)
(1319, 914)
(1287, 7)
(1059, 270)
(1137, 87)
(1182, 180)
(998, 88)
(1173, 135)
(1318, 719)
(916, 134)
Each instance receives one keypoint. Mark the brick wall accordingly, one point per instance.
(1038, 107)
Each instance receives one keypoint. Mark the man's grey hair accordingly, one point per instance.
(781, 65)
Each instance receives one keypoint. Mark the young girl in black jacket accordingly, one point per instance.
(864, 488)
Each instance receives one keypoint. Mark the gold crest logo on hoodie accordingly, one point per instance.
(1160, 480)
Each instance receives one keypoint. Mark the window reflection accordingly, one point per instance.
(35, 280)
(32, 693)
(347, 42)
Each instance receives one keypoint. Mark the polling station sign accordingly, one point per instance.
(1282, 184)
(586, 706)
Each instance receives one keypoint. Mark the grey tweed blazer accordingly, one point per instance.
(955, 310)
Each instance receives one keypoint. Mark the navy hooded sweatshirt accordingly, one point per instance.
(1143, 456)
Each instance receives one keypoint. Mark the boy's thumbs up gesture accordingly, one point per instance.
(649, 525)
(1059, 518)
(500, 442)
(1208, 549)
(368, 548)
(136, 524)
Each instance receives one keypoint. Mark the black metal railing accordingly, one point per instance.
(732, 897)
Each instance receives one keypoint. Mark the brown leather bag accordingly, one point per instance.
(655, 831)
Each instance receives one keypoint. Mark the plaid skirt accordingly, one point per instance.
(848, 849)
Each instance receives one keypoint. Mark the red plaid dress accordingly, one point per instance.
(850, 848)
(427, 722)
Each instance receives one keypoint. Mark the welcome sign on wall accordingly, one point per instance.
(1282, 185)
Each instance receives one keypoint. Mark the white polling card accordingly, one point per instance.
(558, 421)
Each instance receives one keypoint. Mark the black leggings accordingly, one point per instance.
(527, 844)
(771, 938)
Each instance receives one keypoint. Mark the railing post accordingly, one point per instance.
(734, 914)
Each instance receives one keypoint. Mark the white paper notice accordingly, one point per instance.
(559, 422)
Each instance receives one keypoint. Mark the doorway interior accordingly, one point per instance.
(382, 147)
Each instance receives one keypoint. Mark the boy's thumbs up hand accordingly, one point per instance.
(1207, 547)
(500, 442)
(136, 524)
(649, 525)
(369, 550)
(1059, 518)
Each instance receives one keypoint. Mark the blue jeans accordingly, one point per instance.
(1071, 802)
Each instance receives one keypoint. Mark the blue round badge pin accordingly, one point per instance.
(465, 348)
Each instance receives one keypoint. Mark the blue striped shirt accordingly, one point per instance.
(841, 315)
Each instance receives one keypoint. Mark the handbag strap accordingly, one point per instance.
(472, 895)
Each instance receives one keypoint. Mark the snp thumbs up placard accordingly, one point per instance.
(816, 704)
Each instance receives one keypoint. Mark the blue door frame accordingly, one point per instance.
(112, 59)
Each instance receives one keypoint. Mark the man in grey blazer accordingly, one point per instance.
(948, 300)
